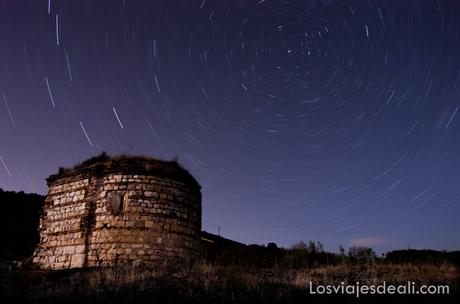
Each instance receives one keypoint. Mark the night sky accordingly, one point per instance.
(335, 121)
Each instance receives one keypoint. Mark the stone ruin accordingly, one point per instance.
(120, 210)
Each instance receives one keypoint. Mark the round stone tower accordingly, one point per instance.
(120, 210)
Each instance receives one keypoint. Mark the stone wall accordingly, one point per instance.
(118, 218)
(61, 236)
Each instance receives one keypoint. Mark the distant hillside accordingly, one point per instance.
(19, 219)
(427, 256)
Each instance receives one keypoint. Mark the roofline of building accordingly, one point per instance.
(126, 164)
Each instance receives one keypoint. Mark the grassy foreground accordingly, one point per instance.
(211, 283)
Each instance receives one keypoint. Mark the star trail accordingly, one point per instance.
(335, 121)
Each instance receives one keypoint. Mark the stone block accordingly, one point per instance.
(78, 261)
(80, 249)
(69, 250)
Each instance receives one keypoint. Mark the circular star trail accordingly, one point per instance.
(328, 120)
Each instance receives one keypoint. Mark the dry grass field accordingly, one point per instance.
(212, 283)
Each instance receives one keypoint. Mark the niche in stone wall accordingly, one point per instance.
(117, 202)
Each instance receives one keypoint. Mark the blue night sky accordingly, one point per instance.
(335, 121)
